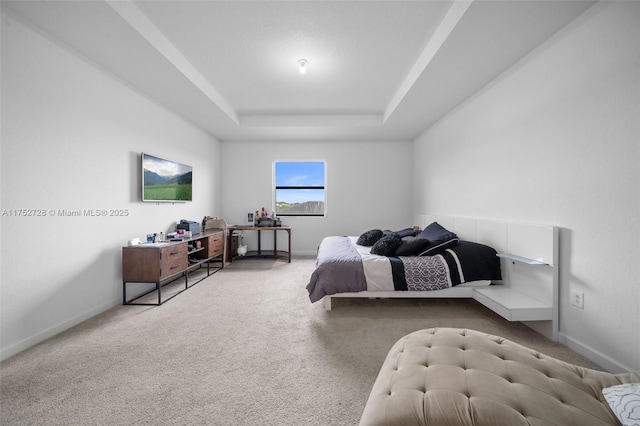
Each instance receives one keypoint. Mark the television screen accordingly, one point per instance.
(164, 180)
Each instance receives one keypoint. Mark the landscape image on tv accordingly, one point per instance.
(164, 180)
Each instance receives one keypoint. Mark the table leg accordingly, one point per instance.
(259, 234)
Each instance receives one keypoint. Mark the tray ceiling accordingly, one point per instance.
(376, 69)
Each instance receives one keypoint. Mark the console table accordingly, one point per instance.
(164, 262)
(263, 253)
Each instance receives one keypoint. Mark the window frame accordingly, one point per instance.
(323, 187)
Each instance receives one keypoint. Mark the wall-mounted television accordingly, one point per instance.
(164, 180)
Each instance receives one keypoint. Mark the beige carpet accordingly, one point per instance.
(243, 347)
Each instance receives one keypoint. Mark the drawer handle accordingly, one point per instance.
(174, 252)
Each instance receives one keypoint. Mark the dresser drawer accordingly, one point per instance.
(173, 260)
(216, 244)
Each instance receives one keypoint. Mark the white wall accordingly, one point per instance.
(368, 187)
(555, 140)
(71, 139)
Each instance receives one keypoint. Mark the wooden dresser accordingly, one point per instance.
(161, 263)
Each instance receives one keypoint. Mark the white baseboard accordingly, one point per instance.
(16, 348)
(605, 361)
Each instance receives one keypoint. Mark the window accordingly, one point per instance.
(299, 188)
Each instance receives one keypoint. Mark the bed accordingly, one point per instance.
(345, 265)
(509, 267)
(447, 376)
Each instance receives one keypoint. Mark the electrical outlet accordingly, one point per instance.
(577, 299)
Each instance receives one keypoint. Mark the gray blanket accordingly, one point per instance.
(338, 269)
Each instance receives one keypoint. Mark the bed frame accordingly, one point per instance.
(528, 291)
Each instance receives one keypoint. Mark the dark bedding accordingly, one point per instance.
(342, 266)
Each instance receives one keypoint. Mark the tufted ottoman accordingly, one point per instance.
(446, 376)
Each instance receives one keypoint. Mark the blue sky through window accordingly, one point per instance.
(300, 173)
(309, 173)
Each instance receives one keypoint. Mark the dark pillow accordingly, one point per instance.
(369, 238)
(406, 232)
(439, 239)
(387, 245)
(412, 246)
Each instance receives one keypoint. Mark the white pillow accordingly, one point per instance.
(624, 401)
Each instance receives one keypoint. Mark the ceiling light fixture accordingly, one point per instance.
(303, 65)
